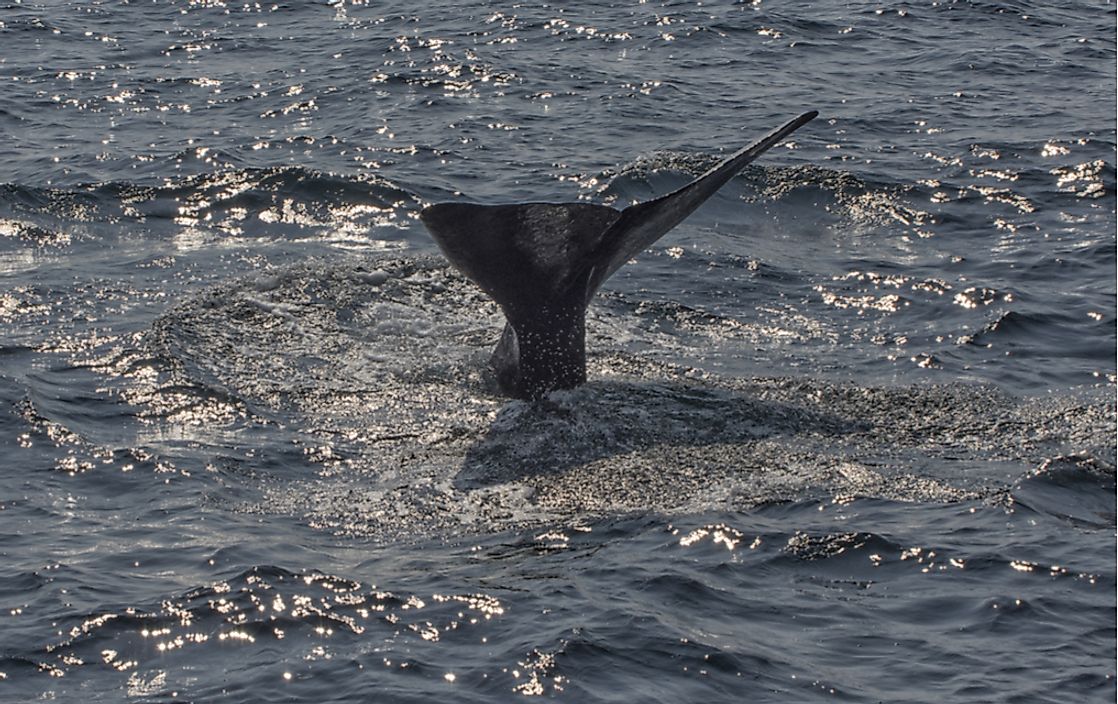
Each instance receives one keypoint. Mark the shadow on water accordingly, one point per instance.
(608, 419)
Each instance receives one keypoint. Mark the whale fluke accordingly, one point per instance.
(543, 262)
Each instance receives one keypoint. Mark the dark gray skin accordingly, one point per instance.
(543, 262)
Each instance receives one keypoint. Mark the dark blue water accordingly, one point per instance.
(849, 433)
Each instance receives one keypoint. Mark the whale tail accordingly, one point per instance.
(543, 262)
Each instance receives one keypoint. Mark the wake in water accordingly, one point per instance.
(377, 369)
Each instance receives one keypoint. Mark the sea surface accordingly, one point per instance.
(849, 430)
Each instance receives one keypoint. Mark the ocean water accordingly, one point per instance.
(849, 432)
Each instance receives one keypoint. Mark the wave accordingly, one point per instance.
(256, 609)
(249, 201)
(1077, 488)
(1021, 331)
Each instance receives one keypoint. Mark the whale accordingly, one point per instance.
(543, 262)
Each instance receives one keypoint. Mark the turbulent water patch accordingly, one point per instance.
(378, 368)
